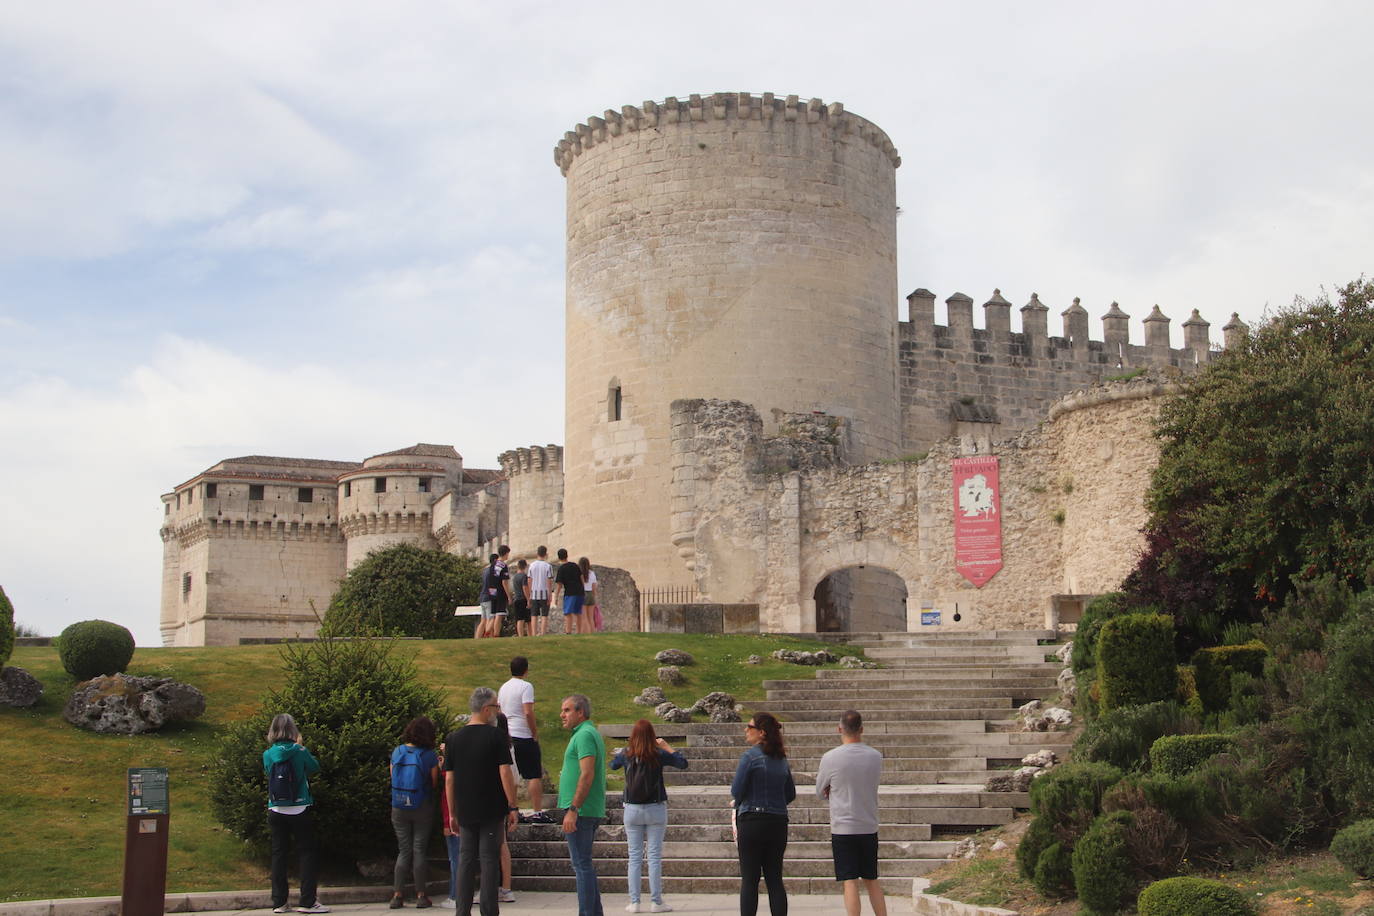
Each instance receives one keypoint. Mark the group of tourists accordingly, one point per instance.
(527, 594)
(469, 781)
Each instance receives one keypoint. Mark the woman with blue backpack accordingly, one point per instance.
(414, 777)
(288, 766)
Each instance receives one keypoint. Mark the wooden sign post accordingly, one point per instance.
(145, 843)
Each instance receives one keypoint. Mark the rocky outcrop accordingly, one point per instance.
(798, 657)
(650, 696)
(670, 675)
(674, 657)
(19, 688)
(719, 706)
(126, 705)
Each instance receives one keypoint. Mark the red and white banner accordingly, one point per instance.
(977, 518)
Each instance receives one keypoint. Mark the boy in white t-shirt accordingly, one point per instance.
(517, 702)
(537, 591)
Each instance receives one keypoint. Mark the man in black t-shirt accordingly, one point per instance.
(496, 582)
(481, 800)
(569, 580)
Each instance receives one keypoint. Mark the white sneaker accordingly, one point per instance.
(317, 908)
(449, 903)
(284, 908)
(507, 895)
(632, 907)
(660, 908)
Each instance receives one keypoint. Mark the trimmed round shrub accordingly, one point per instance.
(1192, 897)
(1070, 796)
(1123, 737)
(1135, 660)
(352, 700)
(1353, 847)
(91, 648)
(1216, 665)
(1102, 868)
(405, 590)
(1037, 838)
(6, 629)
(1054, 871)
(1176, 755)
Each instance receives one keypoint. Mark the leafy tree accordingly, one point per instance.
(351, 699)
(404, 591)
(1266, 473)
(6, 628)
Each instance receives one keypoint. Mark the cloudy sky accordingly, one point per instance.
(328, 229)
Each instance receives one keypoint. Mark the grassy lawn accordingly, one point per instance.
(63, 795)
(1305, 882)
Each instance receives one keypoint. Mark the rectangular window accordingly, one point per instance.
(424, 484)
(190, 497)
(255, 491)
(185, 585)
(348, 488)
(379, 485)
(178, 500)
(167, 509)
(212, 491)
(305, 495)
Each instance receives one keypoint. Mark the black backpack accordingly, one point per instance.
(281, 782)
(643, 782)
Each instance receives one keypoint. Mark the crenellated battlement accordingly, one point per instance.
(991, 381)
(744, 107)
(536, 458)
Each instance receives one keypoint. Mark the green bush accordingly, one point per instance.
(405, 590)
(1216, 665)
(1123, 737)
(1135, 660)
(1353, 847)
(1186, 694)
(1175, 755)
(1054, 871)
(1037, 838)
(6, 629)
(91, 648)
(1341, 697)
(1188, 800)
(1070, 796)
(351, 700)
(1102, 869)
(1192, 897)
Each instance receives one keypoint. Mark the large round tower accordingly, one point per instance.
(724, 246)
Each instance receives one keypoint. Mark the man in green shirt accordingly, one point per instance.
(582, 791)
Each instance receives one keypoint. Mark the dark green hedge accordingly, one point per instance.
(1192, 897)
(1102, 870)
(1123, 737)
(6, 629)
(1135, 660)
(1215, 665)
(1175, 755)
(91, 648)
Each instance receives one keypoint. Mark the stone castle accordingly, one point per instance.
(748, 420)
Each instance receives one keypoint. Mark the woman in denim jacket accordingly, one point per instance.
(762, 790)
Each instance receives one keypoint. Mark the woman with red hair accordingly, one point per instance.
(646, 807)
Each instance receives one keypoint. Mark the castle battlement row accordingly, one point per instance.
(535, 458)
(744, 107)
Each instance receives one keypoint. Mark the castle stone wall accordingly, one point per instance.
(535, 480)
(727, 246)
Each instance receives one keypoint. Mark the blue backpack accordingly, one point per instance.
(409, 778)
(281, 783)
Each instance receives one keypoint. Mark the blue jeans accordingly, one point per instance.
(584, 869)
(452, 842)
(642, 821)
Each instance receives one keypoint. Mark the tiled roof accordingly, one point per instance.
(424, 450)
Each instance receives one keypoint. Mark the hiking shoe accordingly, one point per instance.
(397, 901)
(423, 903)
(540, 817)
(315, 907)
(507, 895)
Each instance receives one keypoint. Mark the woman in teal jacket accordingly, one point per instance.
(288, 766)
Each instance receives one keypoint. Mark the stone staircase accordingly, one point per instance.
(941, 713)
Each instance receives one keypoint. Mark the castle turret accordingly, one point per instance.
(1157, 336)
(388, 500)
(920, 309)
(1035, 324)
(1195, 336)
(730, 246)
(1235, 331)
(997, 316)
(1116, 329)
(1076, 326)
(536, 494)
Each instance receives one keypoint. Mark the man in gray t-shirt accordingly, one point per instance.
(848, 778)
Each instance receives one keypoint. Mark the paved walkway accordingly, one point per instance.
(534, 902)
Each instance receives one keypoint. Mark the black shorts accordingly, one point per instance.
(539, 607)
(529, 763)
(520, 612)
(856, 855)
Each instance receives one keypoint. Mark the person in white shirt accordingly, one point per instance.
(848, 779)
(517, 702)
(537, 591)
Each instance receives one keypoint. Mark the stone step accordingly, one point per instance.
(938, 775)
(949, 684)
(730, 735)
(893, 654)
(612, 850)
(906, 710)
(719, 831)
(890, 750)
(937, 672)
(725, 867)
(860, 697)
(892, 764)
(925, 816)
(616, 884)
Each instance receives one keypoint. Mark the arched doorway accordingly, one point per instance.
(861, 599)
